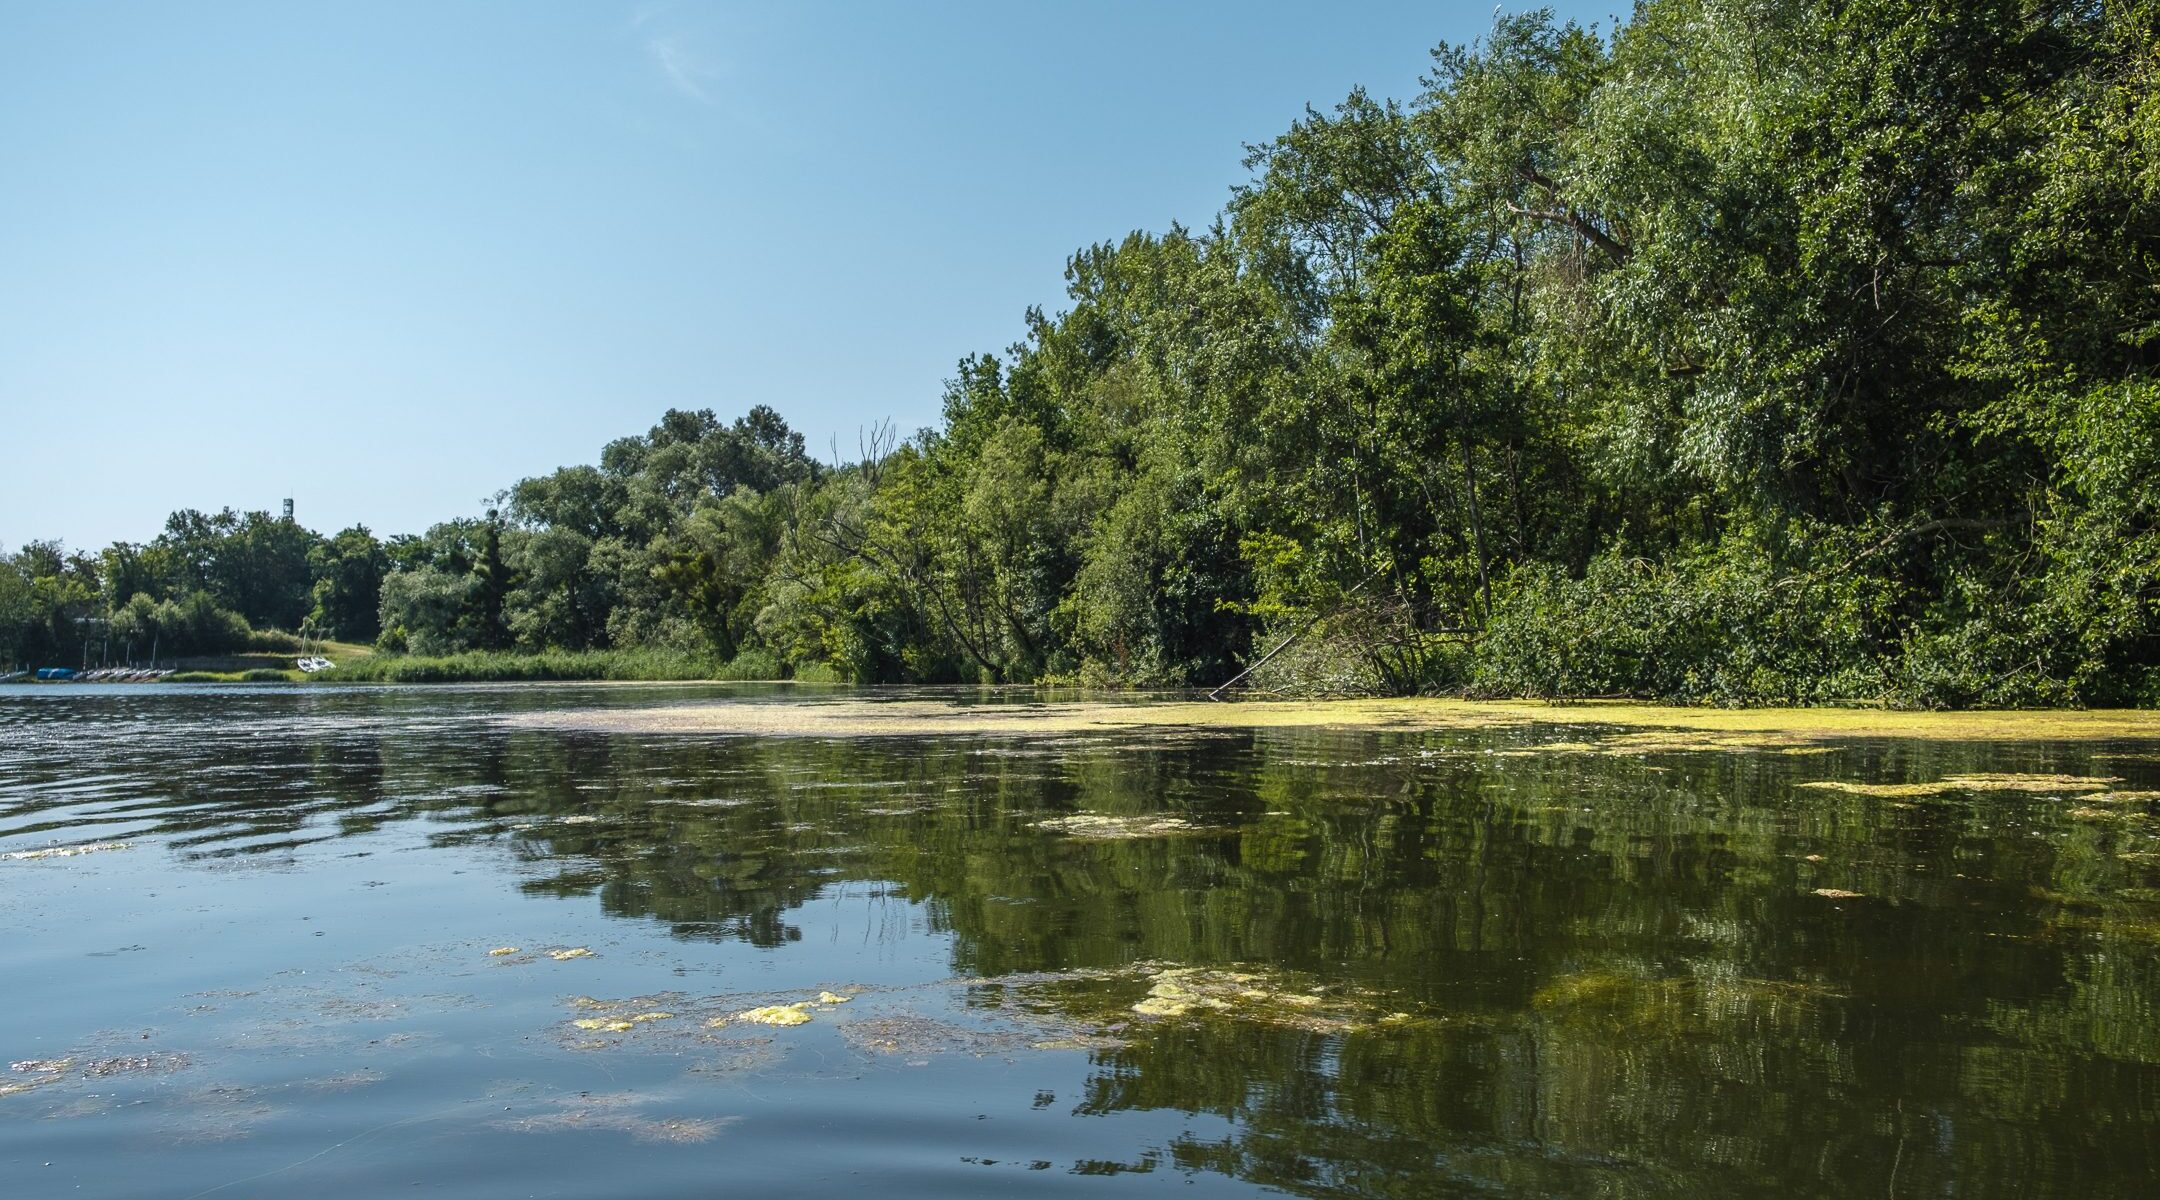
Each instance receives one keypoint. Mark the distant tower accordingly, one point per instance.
(288, 508)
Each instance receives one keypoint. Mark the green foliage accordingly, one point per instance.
(272, 641)
(253, 564)
(1720, 628)
(347, 591)
(195, 624)
(1785, 353)
(428, 610)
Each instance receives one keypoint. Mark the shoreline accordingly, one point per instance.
(1710, 727)
(820, 708)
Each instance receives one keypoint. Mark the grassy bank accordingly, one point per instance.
(250, 675)
(265, 663)
(563, 665)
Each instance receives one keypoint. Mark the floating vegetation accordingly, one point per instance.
(1970, 783)
(217, 1114)
(1101, 827)
(920, 718)
(39, 1073)
(1268, 998)
(1089, 1042)
(567, 955)
(1838, 894)
(2092, 812)
(832, 998)
(797, 1013)
(499, 951)
(1661, 741)
(2122, 798)
(740, 1056)
(159, 1063)
(614, 1113)
(41, 1066)
(66, 851)
(917, 1036)
(43, 1072)
(621, 1024)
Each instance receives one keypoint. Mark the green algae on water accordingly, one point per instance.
(850, 718)
(617, 1113)
(1103, 827)
(2041, 784)
(913, 1035)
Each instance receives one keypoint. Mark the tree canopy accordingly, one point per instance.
(1774, 351)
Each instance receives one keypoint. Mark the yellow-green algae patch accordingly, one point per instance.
(2114, 797)
(797, 1013)
(2090, 812)
(1678, 741)
(1103, 827)
(1260, 997)
(2045, 784)
(1788, 727)
(621, 1024)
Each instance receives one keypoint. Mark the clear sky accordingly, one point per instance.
(388, 258)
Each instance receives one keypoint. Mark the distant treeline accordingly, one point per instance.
(1791, 352)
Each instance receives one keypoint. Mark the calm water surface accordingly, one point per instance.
(1452, 964)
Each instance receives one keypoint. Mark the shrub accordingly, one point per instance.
(755, 664)
(1726, 628)
(194, 624)
(273, 641)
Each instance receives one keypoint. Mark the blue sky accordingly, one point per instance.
(389, 258)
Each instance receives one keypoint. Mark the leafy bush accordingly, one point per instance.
(1725, 628)
(195, 625)
(273, 641)
(756, 664)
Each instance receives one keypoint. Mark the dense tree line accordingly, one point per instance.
(206, 585)
(1776, 351)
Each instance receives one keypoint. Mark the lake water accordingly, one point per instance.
(323, 959)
